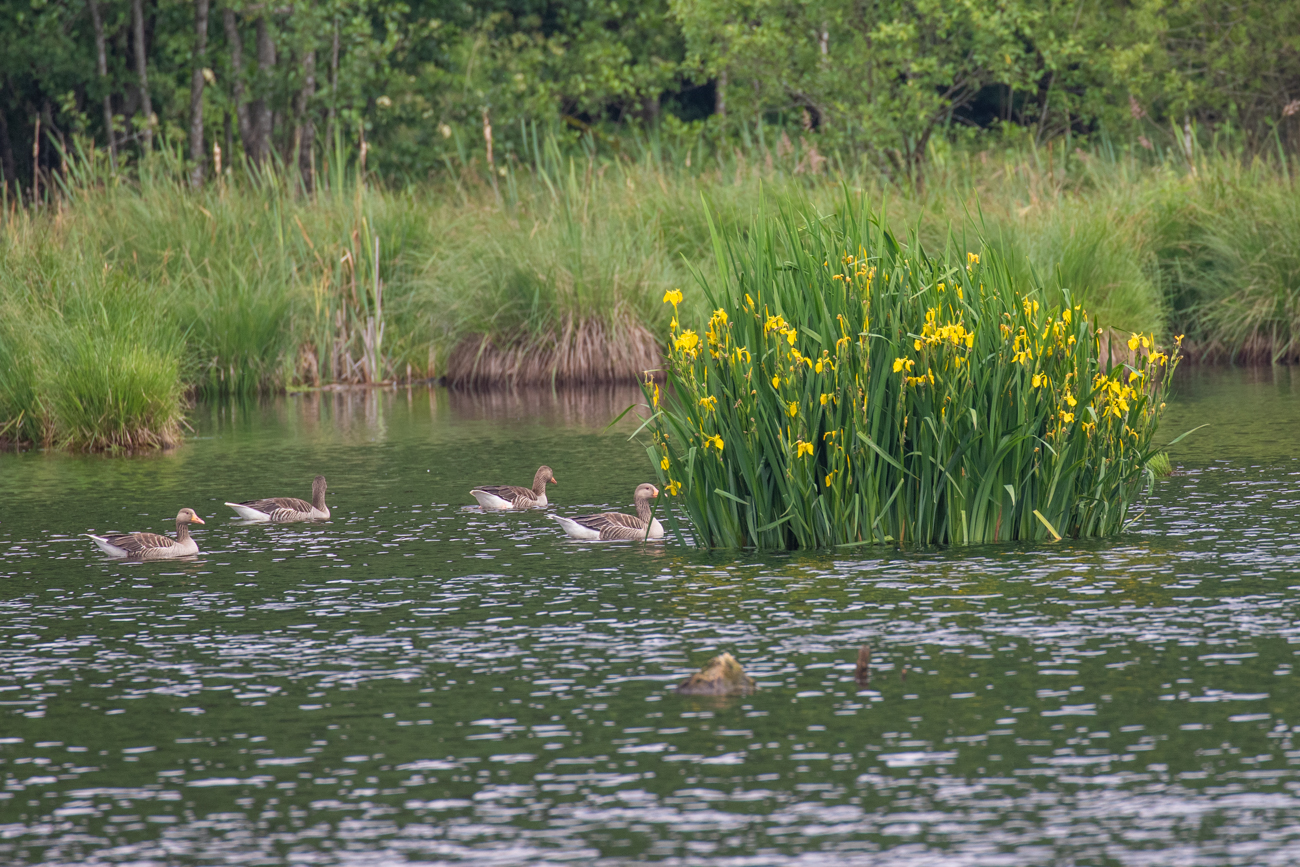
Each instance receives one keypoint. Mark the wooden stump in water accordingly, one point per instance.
(862, 672)
(722, 676)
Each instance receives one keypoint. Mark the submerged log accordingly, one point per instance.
(722, 676)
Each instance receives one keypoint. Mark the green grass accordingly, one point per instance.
(853, 389)
(555, 274)
(90, 362)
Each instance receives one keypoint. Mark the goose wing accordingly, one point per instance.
(275, 504)
(512, 494)
(281, 508)
(136, 544)
(614, 525)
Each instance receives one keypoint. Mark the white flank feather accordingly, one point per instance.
(576, 530)
(491, 501)
(106, 546)
(248, 513)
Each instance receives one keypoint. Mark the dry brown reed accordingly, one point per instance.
(579, 352)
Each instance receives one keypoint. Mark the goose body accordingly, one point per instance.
(151, 546)
(285, 510)
(616, 525)
(504, 497)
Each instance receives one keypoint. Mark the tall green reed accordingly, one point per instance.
(853, 389)
(557, 277)
(88, 362)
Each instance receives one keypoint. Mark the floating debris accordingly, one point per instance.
(722, 676)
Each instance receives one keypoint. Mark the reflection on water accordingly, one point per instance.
(589, 409)
(417, 680)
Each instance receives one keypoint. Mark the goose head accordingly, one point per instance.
(187, 516)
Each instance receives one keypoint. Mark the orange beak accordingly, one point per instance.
(656, 490)
(554, 480)
(196, 520)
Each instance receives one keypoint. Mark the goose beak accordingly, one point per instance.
(554, 480)
(197, 520)
(656, 490)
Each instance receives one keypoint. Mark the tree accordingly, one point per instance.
(890, 72)
(141, 71)
(197, 80)
(101, 69)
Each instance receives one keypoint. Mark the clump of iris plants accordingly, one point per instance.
(852, 389)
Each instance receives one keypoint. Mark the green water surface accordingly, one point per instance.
(417, 681)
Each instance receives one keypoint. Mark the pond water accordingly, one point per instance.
(416, 681)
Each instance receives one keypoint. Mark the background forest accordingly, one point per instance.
(870, 83)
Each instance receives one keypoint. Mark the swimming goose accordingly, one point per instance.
(151, 546)
(285, 510)
(615, 525)
(501, 497)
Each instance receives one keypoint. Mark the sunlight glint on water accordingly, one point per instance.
(416, 680)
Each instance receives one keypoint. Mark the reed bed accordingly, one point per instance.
(852, 389)
(553, 273)
(86, 362)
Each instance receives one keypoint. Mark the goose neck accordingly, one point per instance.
(643, 509)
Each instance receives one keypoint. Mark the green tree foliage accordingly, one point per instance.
(422, 81)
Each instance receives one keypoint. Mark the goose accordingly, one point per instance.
(502, 497)
(285, 510)
(615, 525)
(151, 546)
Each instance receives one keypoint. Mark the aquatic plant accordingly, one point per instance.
(86, 360)
(852, 389)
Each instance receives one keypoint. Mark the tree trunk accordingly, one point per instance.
(230, 138)
(306, 125)
(197, 153)
(7, 162)
(261, 108)
(101, 69)
(36, 163)
(55, 135)
(650, 107)
(237, 88)
(137, 28)
(334, 87)
(720, 95)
